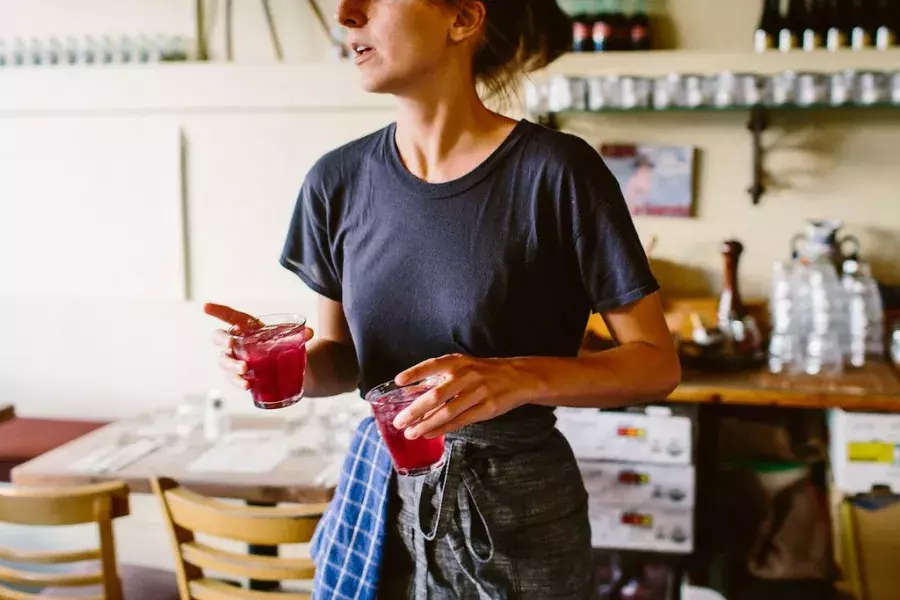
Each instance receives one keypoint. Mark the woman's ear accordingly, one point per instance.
(470, 18)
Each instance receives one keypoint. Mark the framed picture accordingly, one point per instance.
(655, 180)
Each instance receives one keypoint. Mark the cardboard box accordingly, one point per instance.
(644, 485)
(641, 528)
(871, 545)
(865, 451)
(655, 438)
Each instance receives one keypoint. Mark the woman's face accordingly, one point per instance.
(402, 45)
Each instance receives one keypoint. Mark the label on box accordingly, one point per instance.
(646, 485)
(641, 529)
(865, 451)
(630, 437)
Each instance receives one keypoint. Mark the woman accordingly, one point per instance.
(459, 243)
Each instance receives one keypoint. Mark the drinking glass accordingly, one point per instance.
(301, 434)
(734, 89)
(785, 353)
(665, 91)
(812, 88)
(694, 91)
(276, 359)
(781, 89)
(178, 424)
(823, 355)
(840, 87)
(895, 87)
(748, 89)
(871, 88)
(635, 92)
(598, 97)
(411, 458)
(895, 344)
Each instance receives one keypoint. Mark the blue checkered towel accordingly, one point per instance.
(348, 542)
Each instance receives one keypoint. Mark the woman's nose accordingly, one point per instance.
(351, 13)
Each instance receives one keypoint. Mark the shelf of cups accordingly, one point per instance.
(662, 62)
(643, 110)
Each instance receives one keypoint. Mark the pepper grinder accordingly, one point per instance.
(731, 305)
(738, 326)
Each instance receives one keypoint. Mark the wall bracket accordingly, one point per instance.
(758, 123)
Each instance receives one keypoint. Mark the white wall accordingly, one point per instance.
(111, 349)
(102, 351)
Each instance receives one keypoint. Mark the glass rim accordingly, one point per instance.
(376, 395)
(275, 318)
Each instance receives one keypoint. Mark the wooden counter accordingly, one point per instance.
(875, 387)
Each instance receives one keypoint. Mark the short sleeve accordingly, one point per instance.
(612, 262)
(308, 251)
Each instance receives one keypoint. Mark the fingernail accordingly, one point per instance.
(411, 434)
(400, 421)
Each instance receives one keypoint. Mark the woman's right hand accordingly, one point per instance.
(238, 321)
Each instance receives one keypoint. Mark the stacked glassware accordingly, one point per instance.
(823, 322)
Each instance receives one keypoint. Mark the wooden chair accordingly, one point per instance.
(102, 577)
(188, 513)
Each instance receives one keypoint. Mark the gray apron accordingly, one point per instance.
(506, 518)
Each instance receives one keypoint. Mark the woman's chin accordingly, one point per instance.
(375, 85)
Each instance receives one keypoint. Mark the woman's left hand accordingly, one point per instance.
(473, 390)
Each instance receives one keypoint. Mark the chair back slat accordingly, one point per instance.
(188, 513)
(49, 507)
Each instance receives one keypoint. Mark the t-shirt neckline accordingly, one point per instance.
(454, 186)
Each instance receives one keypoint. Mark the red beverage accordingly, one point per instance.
(410, 457)
(276, 360)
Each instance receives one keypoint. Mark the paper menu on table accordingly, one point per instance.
(242, 454)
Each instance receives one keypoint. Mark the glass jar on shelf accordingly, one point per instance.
(895, 344)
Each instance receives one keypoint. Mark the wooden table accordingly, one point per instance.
(7, 412)
(875, 387)
(291, 481)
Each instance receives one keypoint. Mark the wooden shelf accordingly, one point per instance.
(663, 62)
(875, 387)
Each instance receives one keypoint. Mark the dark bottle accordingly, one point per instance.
(860, 25)
(766, 35)
(816, 26)
(641, 33)
(886, 35)
(794, 24)
(602, 32)
(620, 28)
(581, 34)
(837, 32)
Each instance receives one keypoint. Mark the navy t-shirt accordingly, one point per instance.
(508, 260)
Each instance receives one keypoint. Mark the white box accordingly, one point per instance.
(865, 451)
(644, 485)
(642, 529)
(629, 437)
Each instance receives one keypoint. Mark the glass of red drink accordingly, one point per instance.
(410, 457)
(275, 353)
